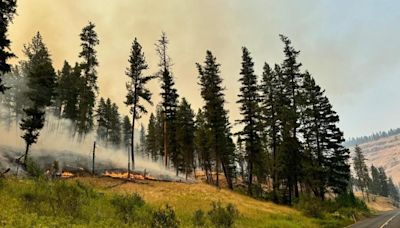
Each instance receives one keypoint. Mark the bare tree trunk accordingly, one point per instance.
(94, 155)
(133, 138)
(26, 154)
(129, 162)
(227, 175)
(165, 141)
(250, 182)
(217, 171)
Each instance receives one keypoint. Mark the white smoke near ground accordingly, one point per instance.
(57, 143)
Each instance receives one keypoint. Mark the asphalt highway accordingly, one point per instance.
(390, 219)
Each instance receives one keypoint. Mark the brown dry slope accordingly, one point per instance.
(384, 152)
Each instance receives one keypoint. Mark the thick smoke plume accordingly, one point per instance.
(57, 143)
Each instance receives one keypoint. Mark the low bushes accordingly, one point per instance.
(218, 216)
(165, 218)
(127, 207)
(344, 206)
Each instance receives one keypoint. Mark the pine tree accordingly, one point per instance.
(126, 132)
(393, 190)
(383, 182)
(271, 106)
(115, 126)
(102, 128)
(61, 90)
(136, 88)
(203, 145)
(67, 91)
(7, 12)
(70, 85)
(184, 161)
(375, 182)
(152, 140)
(249, 99)
(291, 151)
(88, 90)
(216, 116)
(240, 157)
(338, 160)
(41, 82)
(169, 98)
(160, 130)
(142, 140)
(325, 160)
(108, 123)
(361, 171)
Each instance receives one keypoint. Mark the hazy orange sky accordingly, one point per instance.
(346, 47)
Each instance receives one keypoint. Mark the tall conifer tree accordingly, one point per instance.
(361, 171)
(152, 140)
(271, 90)
(7, 12)
(136, 88)
(169, 98)
(184, 160)
(203, 145)
(217, 117)
(291, 150)
(41, 83)
(249, 98)
(89, 88)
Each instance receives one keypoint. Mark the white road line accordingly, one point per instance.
(388, 221)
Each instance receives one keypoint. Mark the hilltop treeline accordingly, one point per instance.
(372, 180)
(375, 136)
(289, 138)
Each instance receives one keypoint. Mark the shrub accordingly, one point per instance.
(127, 206)
(55, 198)
(199, 218)
(223, 217)
(165, 218)
(347, 199)
(344, 205)
(33, 169)
(68, 198)
(311, 206)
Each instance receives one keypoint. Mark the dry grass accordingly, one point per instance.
(186, 198)
(378, 203)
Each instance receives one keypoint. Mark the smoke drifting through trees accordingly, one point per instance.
(290, 139)
(57, 143)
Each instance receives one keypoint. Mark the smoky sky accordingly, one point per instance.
(350, 47)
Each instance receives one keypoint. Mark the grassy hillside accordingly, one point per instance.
(186, 198)
(378, 203)
(90, 202)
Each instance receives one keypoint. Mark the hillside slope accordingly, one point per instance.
(378, 203)
(384, 152)
(186, 198)
(69, 203)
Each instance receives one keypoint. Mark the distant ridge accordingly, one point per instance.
(351, 142)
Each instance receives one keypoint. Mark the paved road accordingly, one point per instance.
(389, 219)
